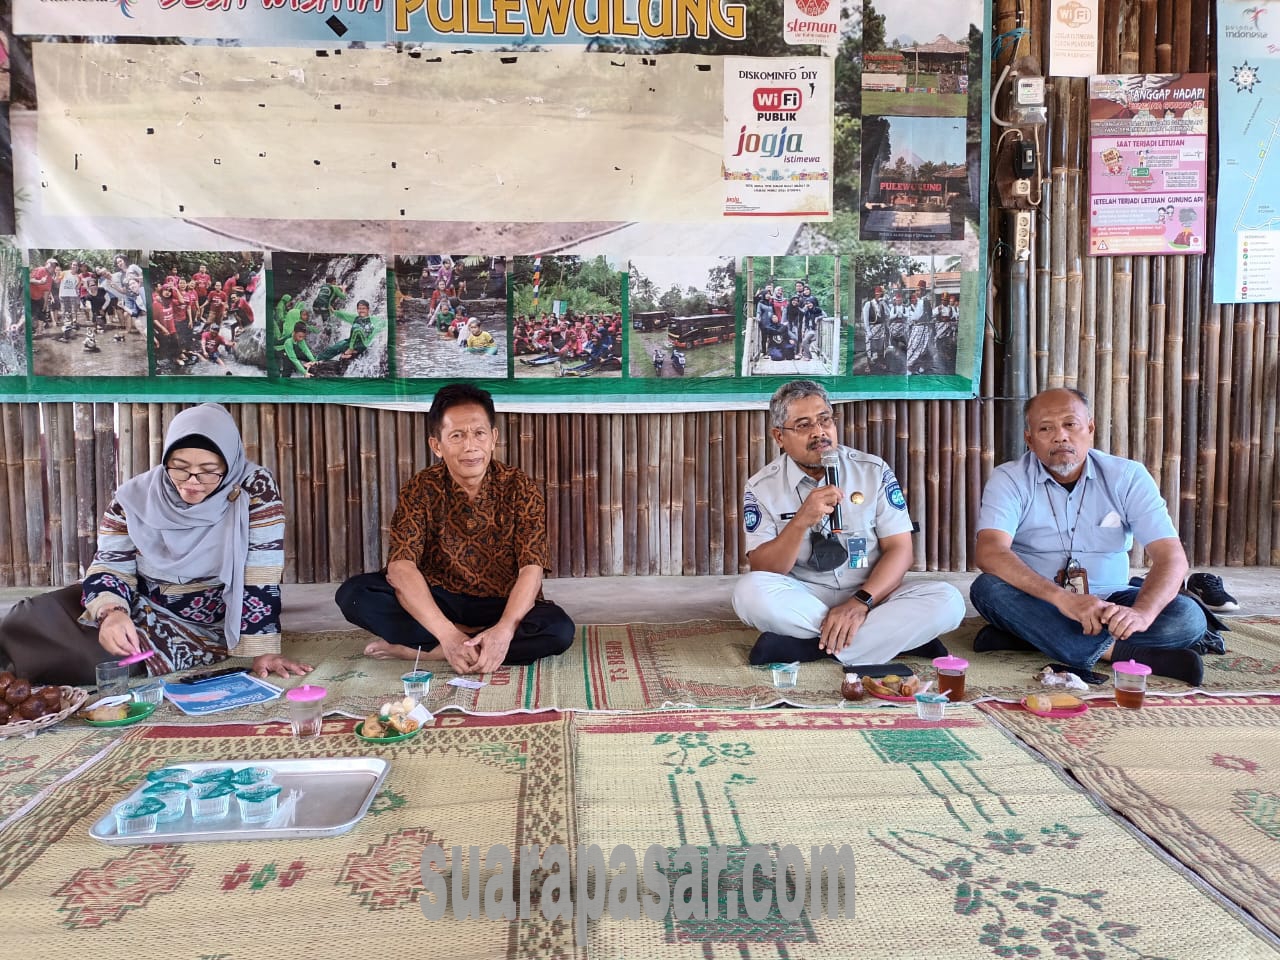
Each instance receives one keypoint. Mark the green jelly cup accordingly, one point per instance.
(211, 801)
(251, 776)
(258, 804)
(173, 795)
(137, 816)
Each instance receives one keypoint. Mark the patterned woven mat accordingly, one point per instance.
(467, 780)
(31, 765)
(1199, 774)
(699, 663)
(965, 846)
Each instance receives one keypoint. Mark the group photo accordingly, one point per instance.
(329, 316)
(208, 313)
(88, 313)
(566, 317)
(793, 314)
(451, 316)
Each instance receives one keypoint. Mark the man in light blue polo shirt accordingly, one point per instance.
(1054, 535)
(818, 588)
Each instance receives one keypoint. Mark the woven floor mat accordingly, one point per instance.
(965, 845)
(465, 780)
(31, 765)
(699, 663)
(1200, 775)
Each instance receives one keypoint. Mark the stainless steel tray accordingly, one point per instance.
(334, 793)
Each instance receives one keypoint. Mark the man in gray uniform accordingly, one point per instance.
(815, 591)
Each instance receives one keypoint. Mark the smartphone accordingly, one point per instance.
(1088, 676)
(877, 670)
(211, 675)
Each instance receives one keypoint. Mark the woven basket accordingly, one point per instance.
(73, 699)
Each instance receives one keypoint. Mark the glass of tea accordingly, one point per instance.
(1130, 683)
(951, 676)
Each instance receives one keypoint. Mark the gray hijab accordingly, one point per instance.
(187, 538)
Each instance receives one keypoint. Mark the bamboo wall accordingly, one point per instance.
(1187, 387)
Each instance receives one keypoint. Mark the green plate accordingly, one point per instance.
(397, 738)
(137, 711)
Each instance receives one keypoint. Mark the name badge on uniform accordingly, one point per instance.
(857, 552)
(1073, 577)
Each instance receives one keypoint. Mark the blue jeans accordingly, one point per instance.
(1179, 625)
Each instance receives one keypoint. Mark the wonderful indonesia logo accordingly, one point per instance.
(1251, 29)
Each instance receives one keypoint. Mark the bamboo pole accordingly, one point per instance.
(16, 493)
(1190, 512)
(86, 500)
(666, 540)
(1268, 464)
(622, 506)
(604, 455)
(1120, 379)
(1221, 503)
(33, 496)
(1104, 382)
(942, 460)
(1241, 435)
(634, 519)
(1171, 361)
(333, 455)
(1139, 356)
(928, 494)
(694, 497)
(917, 484)
(715, 487)
(733, 485)
(52, 414)
(10, 509)
(587, 496)
(959, 527)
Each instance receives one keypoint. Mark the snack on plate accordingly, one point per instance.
(391, 719)
(373, 727)
(115, 711)
(879, 688)
(909, 687)
(403, 723)
(1045, 702)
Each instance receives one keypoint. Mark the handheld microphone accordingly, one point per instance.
(831, 467)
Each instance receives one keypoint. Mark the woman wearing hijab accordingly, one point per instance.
(188, 565)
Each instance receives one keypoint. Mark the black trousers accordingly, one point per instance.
(369, 601)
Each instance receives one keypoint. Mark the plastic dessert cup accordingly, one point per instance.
(784, 675)
(417, 684)
(931, 706)
(257, 804)
(174, 797)
(137, 816)
(211, 801)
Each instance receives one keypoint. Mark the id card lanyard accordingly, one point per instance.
(1072, 576)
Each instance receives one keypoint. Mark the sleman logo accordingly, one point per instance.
(750, 512)
(813, 8)
(1074, 14)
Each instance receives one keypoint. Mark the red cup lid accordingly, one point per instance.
(1131, 667)
(306, 693)
(951, 663)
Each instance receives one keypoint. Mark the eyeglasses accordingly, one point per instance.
(824, 422)
(178, 475)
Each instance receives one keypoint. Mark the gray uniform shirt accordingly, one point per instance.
(873, 507)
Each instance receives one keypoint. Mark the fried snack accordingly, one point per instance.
(909, 687)
(1039, 703)
(877, 687)
(116, 711)
(5, 712)
(1064, 701)
(373, 727)
(402, 723)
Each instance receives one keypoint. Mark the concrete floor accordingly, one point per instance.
(310, 607)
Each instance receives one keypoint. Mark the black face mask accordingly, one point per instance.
(826, 552)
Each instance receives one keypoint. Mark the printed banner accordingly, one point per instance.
(1148, 163)
(1247, 232)
(777, 138)
(533, 195)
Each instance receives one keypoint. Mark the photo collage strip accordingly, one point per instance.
(448, 316)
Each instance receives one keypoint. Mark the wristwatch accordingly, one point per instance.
(866, 598)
